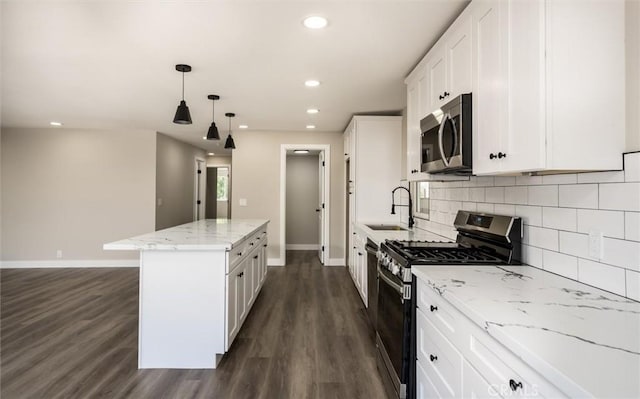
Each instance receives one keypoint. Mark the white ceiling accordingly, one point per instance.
(111, 64)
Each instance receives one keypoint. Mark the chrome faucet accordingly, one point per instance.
(393, 204)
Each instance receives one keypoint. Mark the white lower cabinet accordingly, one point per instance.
(455, 358)
(244, 281)
(358, 268)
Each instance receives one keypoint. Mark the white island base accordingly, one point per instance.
(196, 289)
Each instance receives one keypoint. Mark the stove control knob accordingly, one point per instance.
(395, 268)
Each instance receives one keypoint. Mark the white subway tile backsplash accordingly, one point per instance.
(632, 167)
(516, 195)
(633, 285)
(561, 264)
(540, 237)
(601, 177)
(609, 223)
(495, 195)
(504, 209)
(486, 208)
(531, 215)
(621, 253)
(532, 256)
(543, 195)
(574, 244)
(528, 180)
(579, 196)
(632, 226)
(477, 194)
(569, 178)
(558, 213)
(470, 206)
(559, 218)
(608, 278)
(504, 181)
(620, 196)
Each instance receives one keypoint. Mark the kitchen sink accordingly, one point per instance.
(390, 227)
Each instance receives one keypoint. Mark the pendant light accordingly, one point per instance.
(183, 117)
(229, 143)
(213, 134)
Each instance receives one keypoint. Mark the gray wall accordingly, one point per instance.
(74, 190)
(256, 177)
(302, 200)
(175, 171)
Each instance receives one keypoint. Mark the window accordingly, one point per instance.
(421, 199)
(222, 189)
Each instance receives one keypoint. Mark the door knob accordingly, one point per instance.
(317, 210)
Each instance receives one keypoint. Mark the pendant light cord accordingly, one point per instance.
(182, 85)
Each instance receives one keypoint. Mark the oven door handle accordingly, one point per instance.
(371, 249)
(390, 282)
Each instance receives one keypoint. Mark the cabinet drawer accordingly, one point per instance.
(506, 374)
(441, 361)
(441, 313)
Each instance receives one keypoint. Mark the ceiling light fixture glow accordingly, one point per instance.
(311, 126)
(312, 83)
(243, 126)
(211, 153)
(301, 151)
(315, 22)
(52, 123)
(312, 111)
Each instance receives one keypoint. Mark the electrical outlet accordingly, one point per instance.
(243, 202)
(59, 254)
(595, 244)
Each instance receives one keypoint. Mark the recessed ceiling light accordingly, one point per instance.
(311, 126)
(243, 126)
(211, 153)
(312, 83)
(315, 22)
(204, 137)
(55, 123)
(301, 151)
(312, 111)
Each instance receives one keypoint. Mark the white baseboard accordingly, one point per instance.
(301, 247)
(335, 262)
(275, 262)
(59, 263)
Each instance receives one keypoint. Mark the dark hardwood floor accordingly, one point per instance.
(72, 333)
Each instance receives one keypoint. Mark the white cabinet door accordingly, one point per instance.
(459, 61)
(256, 270)
(413, 129)
(475, 386)
(232, 307)
(489, 86)
(241, 288)
(437, 75)
(424, 386)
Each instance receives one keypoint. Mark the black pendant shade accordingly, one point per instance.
(229, 144)
(213, 134)
(182, 117)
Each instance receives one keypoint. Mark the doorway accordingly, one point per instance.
(304, 205)
(218, 192)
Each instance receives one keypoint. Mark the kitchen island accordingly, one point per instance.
(198, 282)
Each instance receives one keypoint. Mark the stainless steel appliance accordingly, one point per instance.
(372, 281)
(482, 239)
(446, 138)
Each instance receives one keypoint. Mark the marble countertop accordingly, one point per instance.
(206, 234)
(379, 236)
(587, 339)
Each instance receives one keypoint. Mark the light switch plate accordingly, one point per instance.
(243, 202)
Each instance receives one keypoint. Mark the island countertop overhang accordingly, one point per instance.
(201, 235)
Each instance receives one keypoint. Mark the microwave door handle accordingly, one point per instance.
(454, 131)
(440, 144)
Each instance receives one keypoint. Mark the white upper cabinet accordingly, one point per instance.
(548, 86)
(547, 80)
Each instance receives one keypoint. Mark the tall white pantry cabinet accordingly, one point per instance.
(547, 80)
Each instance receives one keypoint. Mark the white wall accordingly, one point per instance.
(302, 201)
(74, 190)
(558, 213)
(175, 179)
(633, 74)
(256, 177)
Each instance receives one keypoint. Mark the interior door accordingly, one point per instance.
(321, 208)
(200, 190)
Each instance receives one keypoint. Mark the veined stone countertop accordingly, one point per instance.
(206, 234)
(584, 340)
(379, 236)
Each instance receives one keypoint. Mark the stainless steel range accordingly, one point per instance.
(482, 239)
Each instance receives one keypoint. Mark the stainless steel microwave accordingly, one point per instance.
(446, 138)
